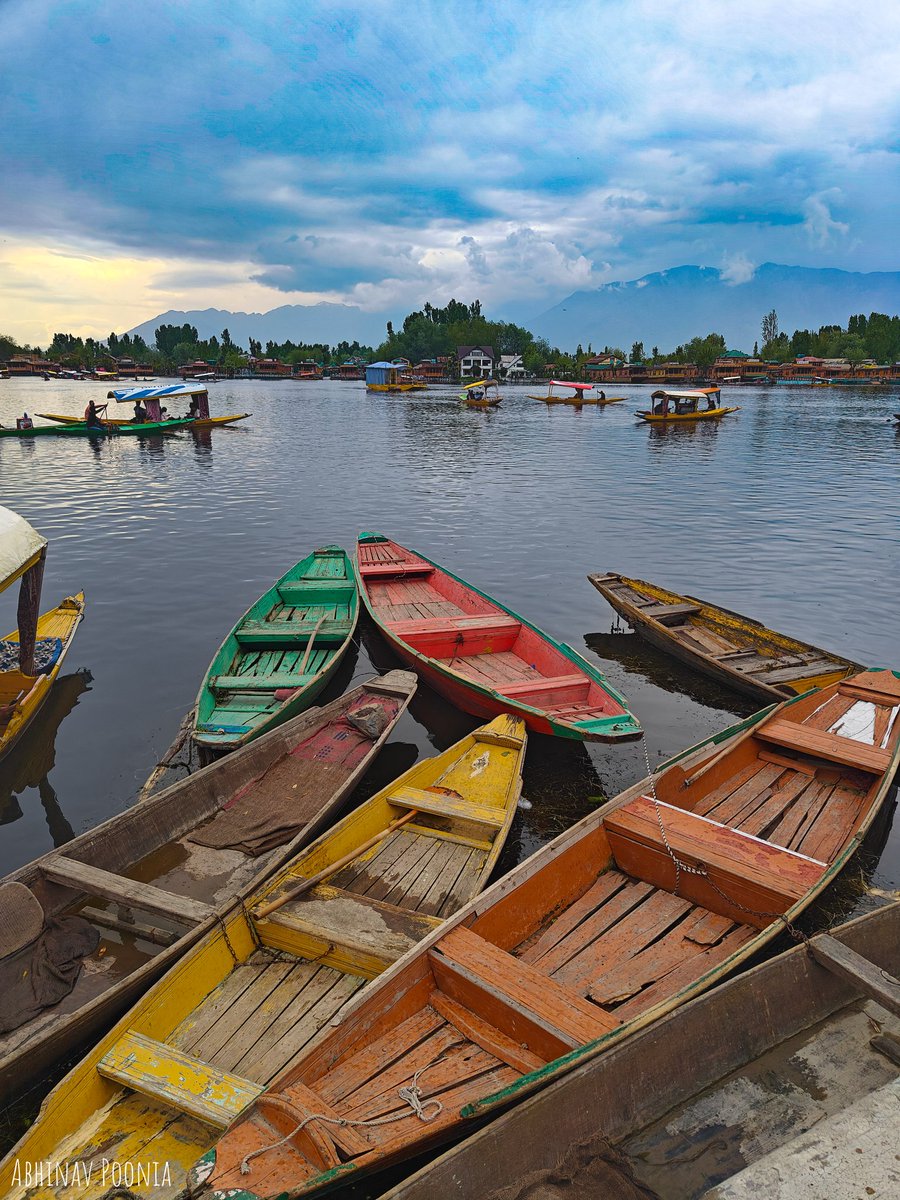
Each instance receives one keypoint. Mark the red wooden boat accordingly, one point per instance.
(481, 656)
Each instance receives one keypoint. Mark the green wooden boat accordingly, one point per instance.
(83, 430)
(281, 653)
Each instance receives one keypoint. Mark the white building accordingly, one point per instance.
(475, 362)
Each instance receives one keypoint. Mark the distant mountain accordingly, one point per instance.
(670, 307)
(309, 323)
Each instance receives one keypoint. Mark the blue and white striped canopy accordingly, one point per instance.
(123, 395)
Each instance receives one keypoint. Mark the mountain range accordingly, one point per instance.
(670, 307)
(663, 309)
(311, 324)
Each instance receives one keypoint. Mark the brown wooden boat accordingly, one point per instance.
(801, 1052)
(277, 793)
(735, 650)
(636, 910)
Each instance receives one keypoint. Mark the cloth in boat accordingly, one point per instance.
(46, 652)
(592, 1170)
(43, 972)
(273, 808)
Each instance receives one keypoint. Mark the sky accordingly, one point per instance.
(244, 154)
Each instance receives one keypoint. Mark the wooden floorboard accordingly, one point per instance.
(537, 946)
(705, 805)
(833, 824)
(791, 829)
(572, 970)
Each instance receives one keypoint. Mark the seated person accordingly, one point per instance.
(24, 422)
(140, 414)
(92, 415)
(712, 402)
(194, 410)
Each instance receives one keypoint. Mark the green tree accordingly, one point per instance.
(769, 327)
(637, 352)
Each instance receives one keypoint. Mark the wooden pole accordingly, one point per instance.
(309, 644)
(263, 910)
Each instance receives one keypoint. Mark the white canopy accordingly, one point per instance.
(691, 394)
(124, 395)
(20, 546)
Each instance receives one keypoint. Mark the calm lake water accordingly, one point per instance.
(787, 511)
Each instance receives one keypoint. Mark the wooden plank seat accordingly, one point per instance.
(519, 1000)
(822, 744)
(178, 1080)
(270, 633)
(547, 690)
(664, 612)
(758, 878)
(448, 804)
(386, 570)
(809, 667)
(316, 591)
(259, 683)
(345, 930)
(486, 623)
(95, 882)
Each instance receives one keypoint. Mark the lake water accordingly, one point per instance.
(787, 511)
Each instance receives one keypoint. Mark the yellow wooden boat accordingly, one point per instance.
(249, 999)
(32, 655)
(735, 650)
(483, 393)
(685, 406)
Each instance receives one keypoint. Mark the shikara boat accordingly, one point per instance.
(281, 653)
(151, 400)
(735, 650)
(479, 654)
(32, 656)
(801, 1053)
(247, 1001)
(484, 393)
(685, 405)
(183, 857)
(571, 393)
(637, 909)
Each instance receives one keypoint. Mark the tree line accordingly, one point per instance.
(435, 332)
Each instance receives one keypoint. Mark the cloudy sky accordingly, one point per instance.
(247, 154)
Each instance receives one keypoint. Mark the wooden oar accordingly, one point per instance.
(304, 885)
(309, 644)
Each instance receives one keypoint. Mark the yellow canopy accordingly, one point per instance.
(21, 547)
(480, 383)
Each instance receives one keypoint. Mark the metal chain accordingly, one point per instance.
(703, 871)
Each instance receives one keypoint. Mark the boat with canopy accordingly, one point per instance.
(687, 405)
(578, 393)
(32, 655)
(152, 400)
(484, 393)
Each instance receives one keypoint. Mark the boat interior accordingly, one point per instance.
(286, 639)
(601, 931)
(443, 619)
(147, 881)
(242, 1008)
(743, 645)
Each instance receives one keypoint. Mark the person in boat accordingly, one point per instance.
(477, 394)
(25, 422)
(92, 415)
(603, 395)
(140, 414)
(193, 411)
(710, 403)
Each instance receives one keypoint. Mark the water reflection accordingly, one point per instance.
(29, 764)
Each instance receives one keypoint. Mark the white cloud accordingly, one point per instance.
(820, 225)
(737, 269)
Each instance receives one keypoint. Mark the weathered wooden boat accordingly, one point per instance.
(685, 405)
(150, 400)
(572, 393)
(637, 909)
(735, 650)
(184, 856)
(480, 655)
(484, 393)
(32, 656)
(107, 429)
(244, 1003)
(799, 1052)
(281, 653)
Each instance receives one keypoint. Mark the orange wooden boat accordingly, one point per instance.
(637, 909)
(481, 656)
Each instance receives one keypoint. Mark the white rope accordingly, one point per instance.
(411, 1095)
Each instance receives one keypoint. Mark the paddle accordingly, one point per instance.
(309, 644)
(304, 885)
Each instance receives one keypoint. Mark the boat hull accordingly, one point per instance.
(196, 423)
(709, 414)
(587, 707)
(61, 622)
(733, 634)
(108, 429)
